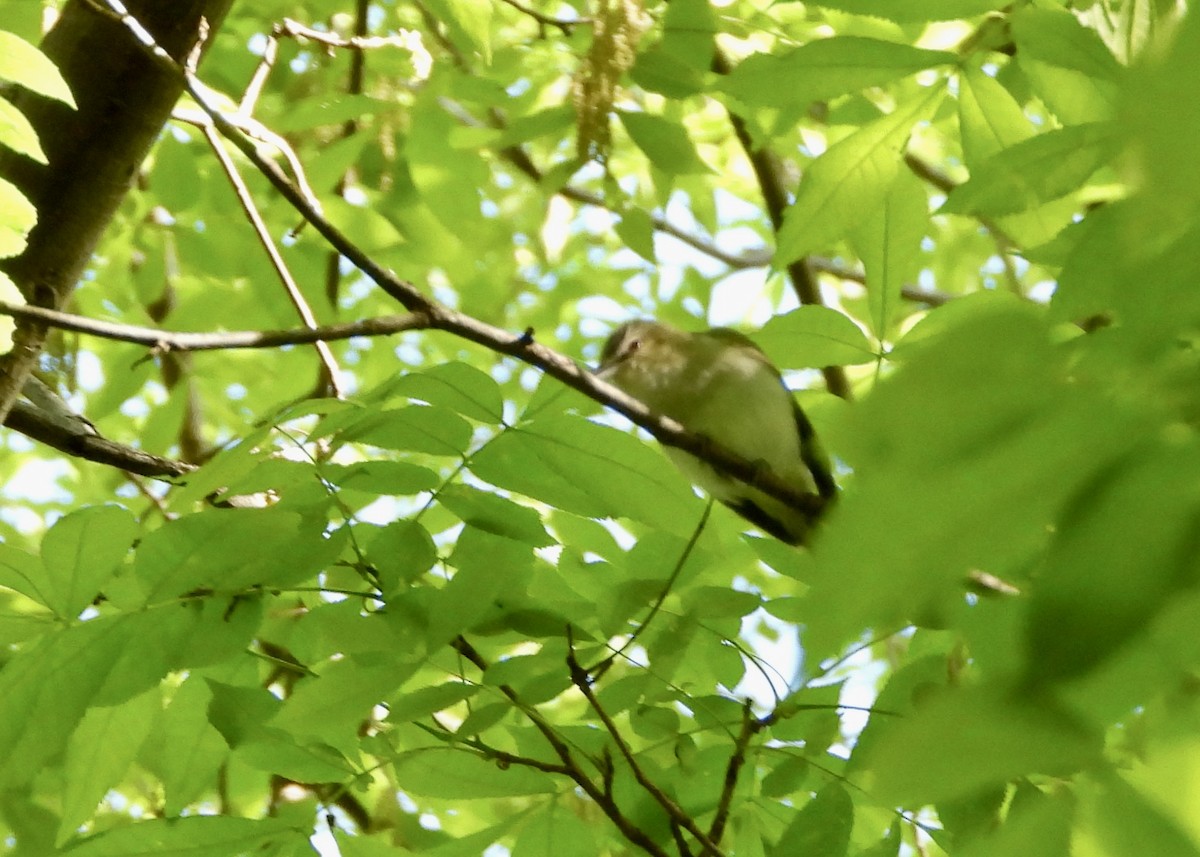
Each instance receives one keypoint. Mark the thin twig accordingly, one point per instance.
(769, 174)
(750, 726)
(358, 42)
(583, 681)
(521, 346)
(600, 668)
(167, 340)
(282, 271)
(602, 796)
(566, 26)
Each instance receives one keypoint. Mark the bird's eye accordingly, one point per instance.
(633, 345)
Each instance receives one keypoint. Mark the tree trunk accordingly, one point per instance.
(124, 99)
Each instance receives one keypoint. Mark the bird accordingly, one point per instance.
(719, 384)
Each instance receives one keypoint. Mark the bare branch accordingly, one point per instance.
(80, 442)
(521, 346)
(750, 726)
(182, 341)
(601, 795)
(296, 30)
(328, 361)
(583, 681)
(772, 185)
(566, 26)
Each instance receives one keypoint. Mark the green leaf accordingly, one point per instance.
(989, 116)
(664, 142)
(447, 772)
(454, 385)
(468, 23)
(715, 601)
(657, 70)
(889, 243)
(822, 826)
(100, 662)
(556, 831)
(100, 752)
(591, 470)
(401, 552)
(194, 836)
(420, 702)
(483, 717)
(276, 753)
(1006, 439)
(18, 134)
(1125, 820)
(826, 68)
(333, 705)
(447, 179)
(230, 550)
(429, 429)
(814, 336)
(188, 751)
(395, 478)
(924, 10)
(239, 713)
(21, 62)
(842, 186)
(1162, 141)
(17, 217)
(81, 552)
(477, 591)
(1038, 826)
(23, 572)
(373, 231)
(1068, 63)
(495, 514)
(636, 229)
(1035, 171)
(963, 741)
(1115, 561)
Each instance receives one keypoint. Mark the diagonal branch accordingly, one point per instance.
(769, 173)
(299, 303)
(520, 346)
(583, 681)
(77, 439)
(601, 795)
(750, 725)
(166, 340)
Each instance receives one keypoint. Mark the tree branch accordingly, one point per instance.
(295, 296)
(601, 796)
(750, 725)
(769, 173)
(93, 152)
(582, 680)
(521, 346)
(166, 340)
(80, 441)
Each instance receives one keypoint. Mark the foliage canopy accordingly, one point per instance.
(407, 593)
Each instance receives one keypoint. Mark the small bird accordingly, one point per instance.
(720, 384)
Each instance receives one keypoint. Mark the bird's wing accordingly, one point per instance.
(811, 453)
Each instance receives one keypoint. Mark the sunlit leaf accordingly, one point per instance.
(841, 186)
(21, 62)
(462, 775)
(825, 68)
(813, 336)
